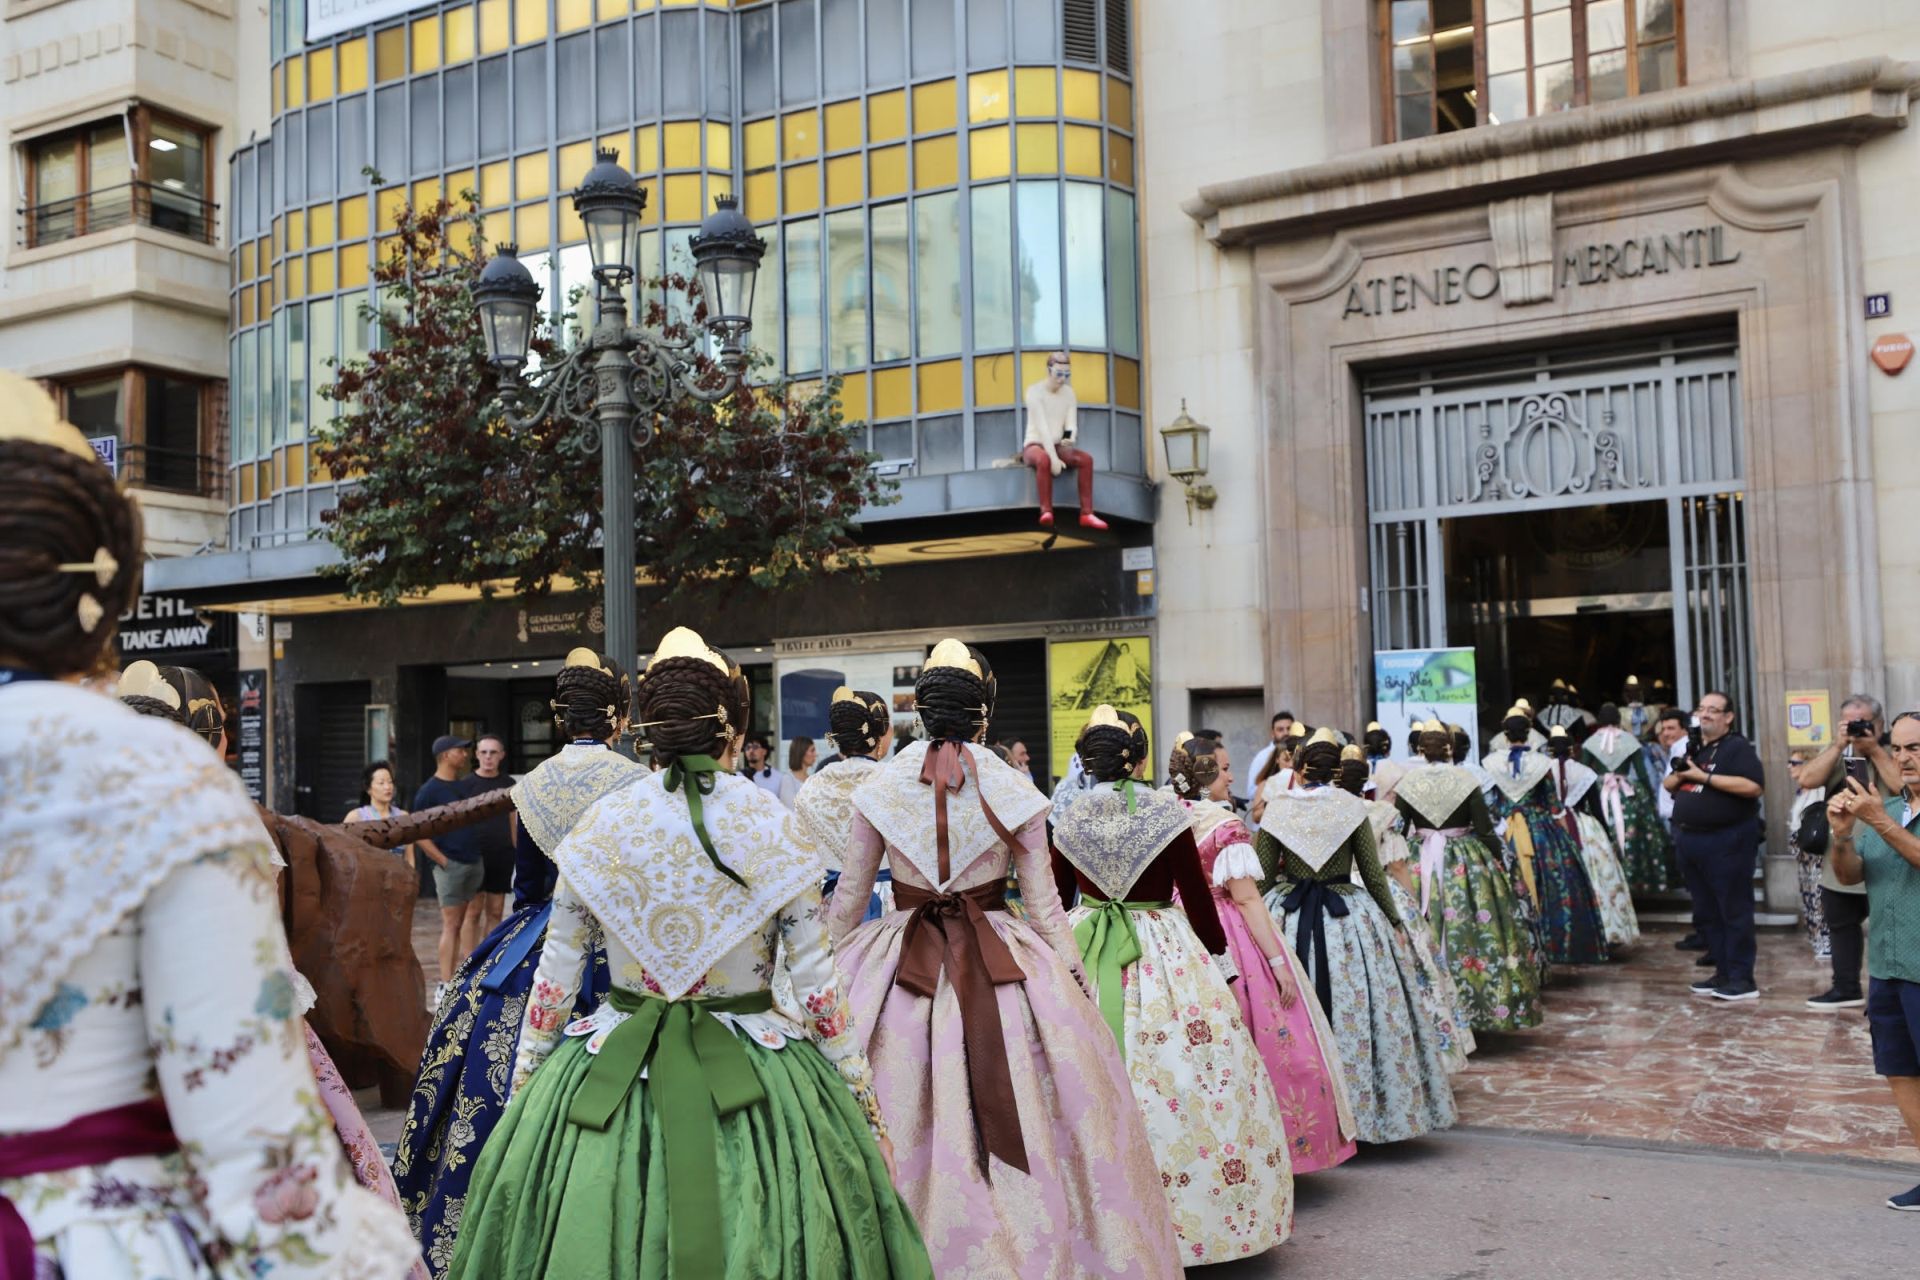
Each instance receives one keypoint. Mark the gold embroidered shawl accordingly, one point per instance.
(1313, 824)
(900, 807)
(1533, 767)
(1110, 846)
(824, 807)
(98, 805)
(1435, 791)
(551, 798)
(1612, 747)
(1206, 816)
(636, 862)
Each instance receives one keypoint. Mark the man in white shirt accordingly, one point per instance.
(1282, 722)
(1053, 425)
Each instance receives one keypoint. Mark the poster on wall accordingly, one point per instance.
(1082, 674)
(252, 734)
(1809, 718)
(805, 690)
(1411, 685)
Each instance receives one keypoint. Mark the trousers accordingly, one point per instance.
(1845, 913)
(1078, 461)
(1718, 867)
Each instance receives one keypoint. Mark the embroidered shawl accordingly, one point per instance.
(1612, 747)
(1435, 791)
(1313, 823)
(900, 807)
(636, 862)
(1110, 846)
(551, 798)
(823, 807)
(1533, 767)
(1580, 779)
(1206, 816)
(100, 805)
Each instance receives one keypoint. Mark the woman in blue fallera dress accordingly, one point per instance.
(464, 1076)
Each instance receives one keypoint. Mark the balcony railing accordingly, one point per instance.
(143, 204)
(173, 470)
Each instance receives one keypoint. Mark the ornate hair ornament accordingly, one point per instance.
(1373, 726)
(1518, 709)
(1557, 734)
(1558, 683)
(103, 566)
(1105, 717)
(1352, 751)
(27, 413)
(1181, 739)
(1323, 734)
(89, 611)
(685, 642)
(1525, 707)
(844, 694)
(1634, 681)
(954, 653)
(1296, 730)
(585, 657)
(143, 680)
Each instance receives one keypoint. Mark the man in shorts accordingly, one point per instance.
(457, 870)
(494, 837)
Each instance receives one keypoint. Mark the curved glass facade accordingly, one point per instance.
(946, 188)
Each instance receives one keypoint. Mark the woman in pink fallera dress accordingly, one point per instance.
(1279, 1006)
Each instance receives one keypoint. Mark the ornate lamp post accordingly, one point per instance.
(613, 383)
(1187, 457)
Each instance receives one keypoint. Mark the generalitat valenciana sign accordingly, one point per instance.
(1892, 351)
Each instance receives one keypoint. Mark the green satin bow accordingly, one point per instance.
(1108, 944)
(697, 1071)
(695, 774)
(1129, 789)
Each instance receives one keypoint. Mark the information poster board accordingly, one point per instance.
(1082, 674)
(806, 688)
(1410, 685)
(1809, 718)
(252, 734)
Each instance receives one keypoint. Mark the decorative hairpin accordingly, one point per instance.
(103, 566)
(89, 611)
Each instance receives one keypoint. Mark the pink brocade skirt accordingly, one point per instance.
(356, 1140)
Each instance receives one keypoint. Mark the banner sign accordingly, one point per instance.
(1809, 718)
(331, 17)
(252, 734)
(1082, 674)
(1411, 685)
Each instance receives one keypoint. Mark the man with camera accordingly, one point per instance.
(1716, 830)
(1885, 858)
(1861, 754)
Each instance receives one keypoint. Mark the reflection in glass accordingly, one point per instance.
(1413, 68)
(1123, 270)
(1659, 67)
(766, 298)
(936, 291)
(94, 407)
(1086, 274)
(1553, 37)
(1039, 247)
(1506, 47)
(1553, 87)
(1655, 19)
(1507, 97)
(322, 346)
(1606, 25)
(249, 386)
(847, 288)
(803, 295)
(296, 392)
(892, 337)
(992, 266)
(1410, 20)
(1607, 76)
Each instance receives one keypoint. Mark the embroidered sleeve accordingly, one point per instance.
(563, 958)
(1372, 874)
(1236, 860)
(816, 985)
(231, 1061)
(850, 895)
(1033, 863)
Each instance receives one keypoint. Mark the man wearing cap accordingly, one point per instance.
(456, 858)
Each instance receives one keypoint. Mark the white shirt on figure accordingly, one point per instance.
(1053, 417)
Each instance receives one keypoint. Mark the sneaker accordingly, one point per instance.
(1906, 1202)
(1707, 986)
(1703, 960)
(1088, 520)
(1742, 990)
(1692, 942)
(1836, 999)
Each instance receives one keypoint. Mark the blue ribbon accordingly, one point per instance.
(519, 949)
(1313, 901)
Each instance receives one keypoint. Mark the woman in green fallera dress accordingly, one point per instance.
(688, 1128)
(1629, 807)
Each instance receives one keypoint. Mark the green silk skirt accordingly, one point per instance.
(803, 1190)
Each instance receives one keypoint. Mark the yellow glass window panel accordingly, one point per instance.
(988, 152)
(248, 269)
(762, 197)
(529, 20)
(319, 471)
(426, 194)
(353, 218)
(892, 392)
(802, 187)
(760, 145)
(1119, 103)
(279, 235)
(496, 184)
(646, 149)
(719, 146)
(246, 484)
(458, 185)
(496, 25)
(1083, 151)
(718, 184)
(296, 231)
(320, 74)
(297, 464)
(320, 225)
(572, 230)
(940, 387)
(389, 54)
(887, 116)
(426, 42)
(934, 106)
(887, 171)
(353, 65)
(843, 125)
(650, 200)
(1126, 382)
(993, 379)
(621, 144)
(799, 135)
(606, 9)
(320, 272)
(1034, 91)
(935, 163)
(682, 197)
(530, 176)
(246, 307)
(279, 80)
(1080, 95)
(853, 397)
(497, 227)
(575, 159)
(1120, 159)
(843, 179)
(457, 26)
(572, 15)
(266, 478)
(1089, 376)
(530, 230)
(987, 96)
(682, 142)
(1037, 148)
(296, 82)
(266, 298)
(353, 262)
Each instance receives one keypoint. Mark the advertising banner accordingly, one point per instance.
(1410, 685)
(806, 686)
(1082, 674)
(1809, 718)
(252, 734)
(331, 17)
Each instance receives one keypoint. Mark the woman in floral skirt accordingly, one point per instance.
(1524, 800)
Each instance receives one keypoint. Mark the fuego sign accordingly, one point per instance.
(1892, 352)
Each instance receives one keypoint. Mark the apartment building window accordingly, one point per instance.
(1459, 64)
(166, 423)
(144, 168)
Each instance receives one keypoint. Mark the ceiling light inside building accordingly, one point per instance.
(163, 144)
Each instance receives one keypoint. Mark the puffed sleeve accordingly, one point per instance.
(865, 848)
(816, 985)
(563, 961)
(1033, 863)
(1235, 859)
(230, 1057)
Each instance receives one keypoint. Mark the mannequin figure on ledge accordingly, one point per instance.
(1052, 441)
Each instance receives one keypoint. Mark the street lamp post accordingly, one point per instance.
(620, 375)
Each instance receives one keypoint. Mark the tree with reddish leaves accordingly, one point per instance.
(761, 490)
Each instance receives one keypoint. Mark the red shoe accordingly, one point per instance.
(1088, 520)
(1046, 518)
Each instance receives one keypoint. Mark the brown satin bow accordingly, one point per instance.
(950, 931)
(947, 766)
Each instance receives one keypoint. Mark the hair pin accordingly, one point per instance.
(89, 611)
(103, 566)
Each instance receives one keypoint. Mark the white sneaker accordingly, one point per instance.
(439, 994)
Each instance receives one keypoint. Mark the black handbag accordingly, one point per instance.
(1814, 832)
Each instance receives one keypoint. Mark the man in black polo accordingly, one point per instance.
(1716, 830)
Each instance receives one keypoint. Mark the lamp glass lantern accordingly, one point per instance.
(1186, 444)
(610, 203)
(506, 297)
(727, 254)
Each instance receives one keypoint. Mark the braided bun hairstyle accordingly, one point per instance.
(1462, 744)
(1192, 768)
(1515, 727)
(1352, 776)
(146, 705)
(1317, 762)
(856, 721)
(1436, 746)
(690, 706)
(1110, 752)
(1607, 717)
(954, 703)
(200, 705)
(591, 696)
(1377, 741)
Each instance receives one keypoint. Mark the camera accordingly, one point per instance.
(1859, 728)
(1695, 743)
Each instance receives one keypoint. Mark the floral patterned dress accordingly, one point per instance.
(1437, 990)
(1575, 784)
(146, 976)
(1524, 801)
(1629, 806)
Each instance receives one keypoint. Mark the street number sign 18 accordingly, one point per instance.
(1879, 305)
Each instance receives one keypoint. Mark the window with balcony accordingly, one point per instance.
(165, 423)
(141, 168)
(1460, 64)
